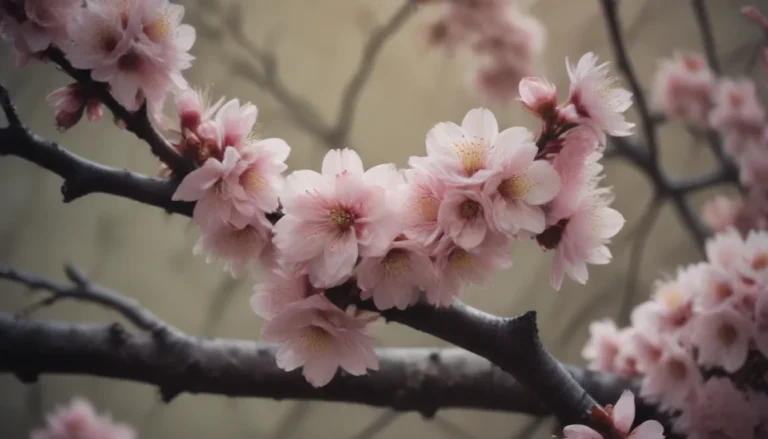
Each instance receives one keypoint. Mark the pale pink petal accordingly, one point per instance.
(338, 160)
(580, 432)
(546, 182)
(624, 412)
(480, 122)
(648, 430)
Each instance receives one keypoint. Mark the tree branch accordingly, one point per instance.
(707, 36)
(136, 122)
(82, 176)
(412, 379)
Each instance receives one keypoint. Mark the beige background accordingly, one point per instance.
(146, 254)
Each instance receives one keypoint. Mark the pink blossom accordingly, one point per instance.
(457, 267)
(582, 238)
(278, 291)
(71, 102)
(240, 249)
(424, 194)
(462, 154)
(394, 278)
(242, 186)
(139, 48)
(597, 100)
(738, 111)
(682, 88)
(577, 164)
(520, 184)
(235, 123)
(761, 321)
(498, 82)
(724, 249)
(719, 410)
(718, 289)
(539, 96)
(621, 417)
(603, 346)
(673, 380)
(720, 212)
(332, 218)
(722, 337)
(466, 217)
(316, 335)
(79, 420)
(753, 265)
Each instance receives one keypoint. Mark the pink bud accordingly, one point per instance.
(539, 96)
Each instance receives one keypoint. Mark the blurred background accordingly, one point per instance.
(147, 254)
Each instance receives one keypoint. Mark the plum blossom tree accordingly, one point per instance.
(341, 248)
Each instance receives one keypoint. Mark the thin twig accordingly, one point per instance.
(371, 52)
(707, 35)
(81, 288)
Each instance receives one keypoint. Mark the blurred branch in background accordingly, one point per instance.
(263, 70)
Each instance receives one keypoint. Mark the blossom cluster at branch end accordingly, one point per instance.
(138, 48)
(505, 41)
(618, 421)
(700, 344)
(79, 420)
(398, 236)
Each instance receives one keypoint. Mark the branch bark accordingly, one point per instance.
(414, 379)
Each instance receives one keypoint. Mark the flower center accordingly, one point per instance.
(515, 187)
(692, 63)
(727, 334)
(677, 369)
(671, 297)
(130, 62)
(159, 29)
(551, 236)
(736, 100)
(471, 154)
(107, 41)
(252, 180)
(342, 218)
(760, 261)
(723, 291)
(469, 209)
(427, 208)
(396, 262)
(461, 260)
(317, 339)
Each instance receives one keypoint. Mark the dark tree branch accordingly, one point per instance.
(82, 176)
(412, 379)
(707, 36)
(136, 122)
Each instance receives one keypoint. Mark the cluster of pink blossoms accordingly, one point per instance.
(422, 233)
(79, 420)
(699, 341)
(504, 40)
(139, 48)
(686, 89)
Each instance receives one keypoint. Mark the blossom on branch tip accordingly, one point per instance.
(581, 238)
(71, 102)
(596, 98)
(240, 249)
(79, 420)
